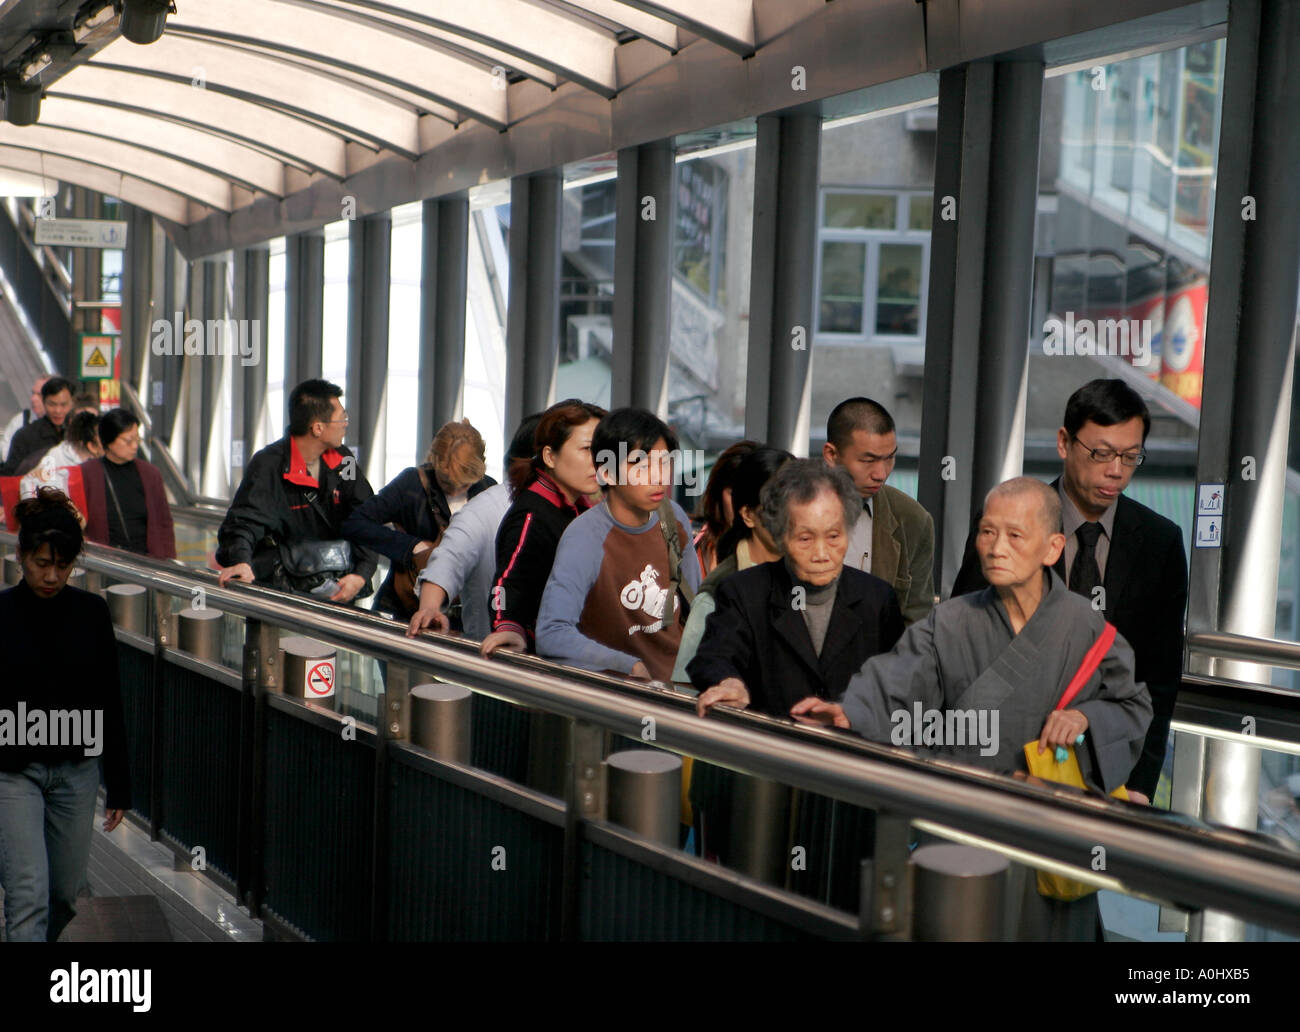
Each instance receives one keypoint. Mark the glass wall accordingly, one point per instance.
(334, 350)
(274, 417)
(873, 263)
(403, 384)
(488, 277)
(587, 281)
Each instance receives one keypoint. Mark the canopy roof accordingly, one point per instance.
(250, 118)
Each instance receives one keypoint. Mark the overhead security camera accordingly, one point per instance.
(143, 21)
(22, 102)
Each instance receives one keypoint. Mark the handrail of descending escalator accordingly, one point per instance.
(1269, 651)
(1167, 856)
(158, 453)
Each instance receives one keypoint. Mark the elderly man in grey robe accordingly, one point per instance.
(1005, 655)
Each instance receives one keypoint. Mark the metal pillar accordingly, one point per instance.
(646, 206)
(309, 668)
(138, 298)
(214, 432)
(440, 720)
(128, 604)
(248, 372)
(760, 829)
(369, 260)
(196, 372)
(532, 313)
(198, 631)
(782, 291)
(443, 289)
(644, 793)
(958, 894)
(981, 283)
(304, 307)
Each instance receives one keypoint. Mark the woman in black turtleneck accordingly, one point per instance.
(60, 721)
(126, 504)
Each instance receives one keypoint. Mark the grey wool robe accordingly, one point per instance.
(964, 656)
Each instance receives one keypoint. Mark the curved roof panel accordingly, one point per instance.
(252, 117)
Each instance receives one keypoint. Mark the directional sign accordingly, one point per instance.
(81, 232)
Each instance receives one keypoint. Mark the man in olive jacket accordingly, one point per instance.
(894, 539)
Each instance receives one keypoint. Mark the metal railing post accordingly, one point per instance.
(309, 670)
(760, 828)
(584, 800)
(163, 638)
(394, 725)
(262, 673)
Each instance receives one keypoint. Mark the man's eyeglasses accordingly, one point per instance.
(344, 419)
(1105, 456)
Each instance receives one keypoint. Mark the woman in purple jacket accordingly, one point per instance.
(125, 499)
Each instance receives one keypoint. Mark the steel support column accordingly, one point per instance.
(1249, 362)
(646, 209)
(304, 307)
(248, 369)
(369, 261)
(214, 431)
(981, 285)
(532, 313)
(443, 288)
(138, 299)
(781, 298)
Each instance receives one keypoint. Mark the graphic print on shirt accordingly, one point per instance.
(645, 594)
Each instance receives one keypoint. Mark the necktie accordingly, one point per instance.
(866, 506)
(1084, 573)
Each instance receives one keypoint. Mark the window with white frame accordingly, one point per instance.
(872, 258)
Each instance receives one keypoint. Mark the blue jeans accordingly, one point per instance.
(47, 817)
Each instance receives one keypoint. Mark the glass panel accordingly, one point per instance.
(860, 211)
(488, 286)
(920, 213)
(844, 268)
(898, 289)
(587, 286)
(402, 449)
(334, 349)
(273, 424)
(872, 286)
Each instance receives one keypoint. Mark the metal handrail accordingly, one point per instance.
(1164, 855)
(1270, 651)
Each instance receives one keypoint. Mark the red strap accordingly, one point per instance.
(1091, 660)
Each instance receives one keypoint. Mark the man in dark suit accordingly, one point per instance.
(1125, 558)
(802, 626)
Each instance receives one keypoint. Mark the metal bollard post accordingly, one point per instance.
(760, 829)
(309, 669)
(76, 578)
(440, 720)
(13, 568)
(958, 894)
(198, 631)
(548, 743)
(94, 582)
(129, 606)
(644, 791)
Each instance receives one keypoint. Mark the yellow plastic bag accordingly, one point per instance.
(1043, 765)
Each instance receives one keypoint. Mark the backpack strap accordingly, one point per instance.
(1091, 660)
(668, 527)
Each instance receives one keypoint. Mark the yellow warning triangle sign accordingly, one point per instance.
(97, 360)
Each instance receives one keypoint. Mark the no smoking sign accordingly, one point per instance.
(320, 680)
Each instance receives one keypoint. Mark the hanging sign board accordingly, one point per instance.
(81, 232)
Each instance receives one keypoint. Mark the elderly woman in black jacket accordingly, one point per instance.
(405, 520)
(69, 724)
(802, 626)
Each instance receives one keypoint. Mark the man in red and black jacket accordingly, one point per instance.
(301, 488)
